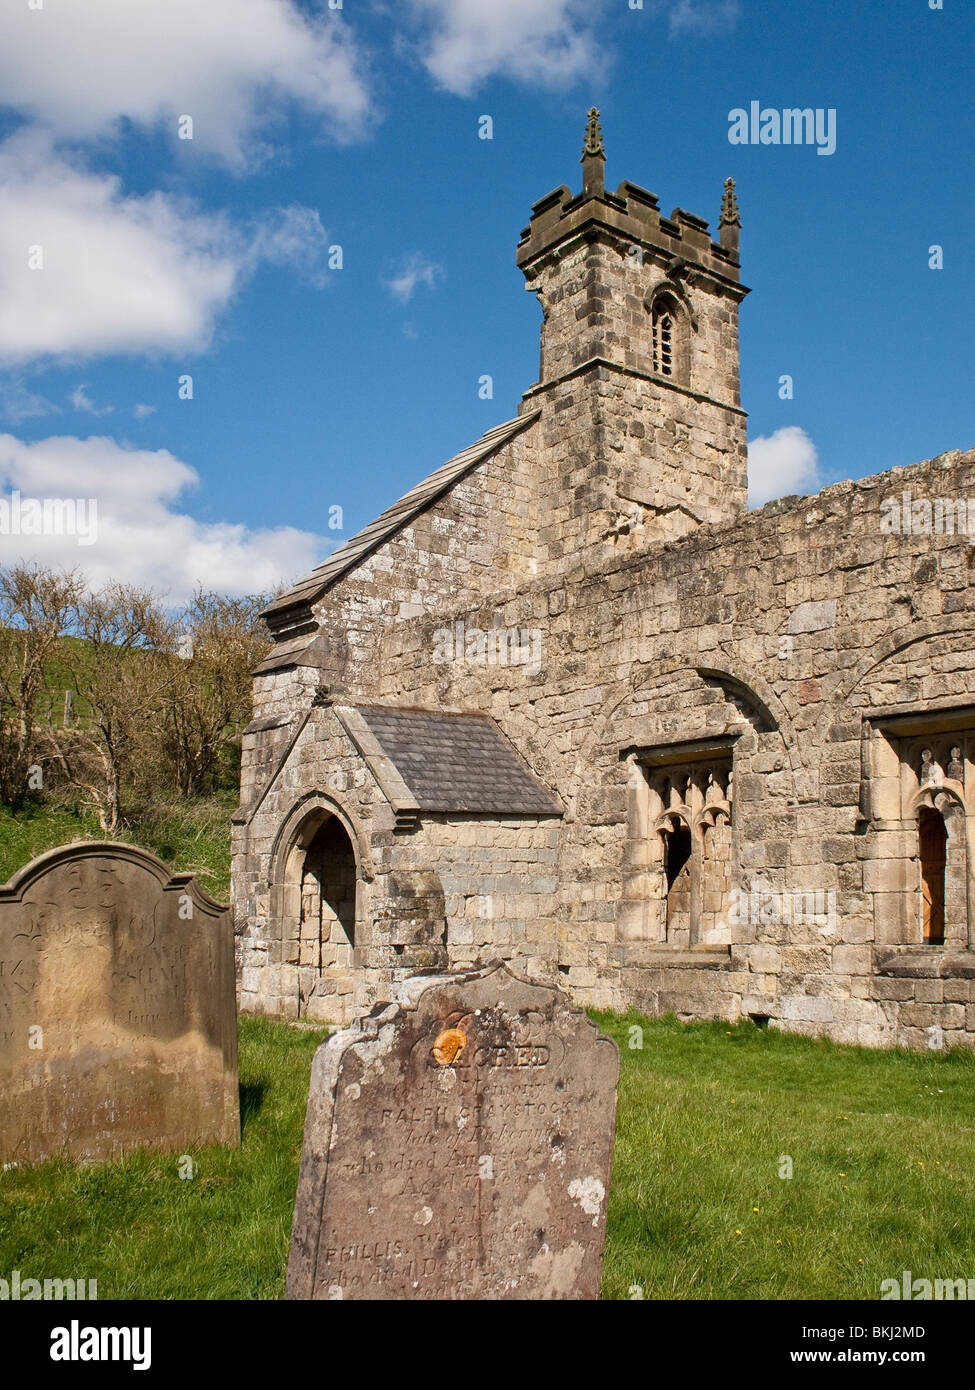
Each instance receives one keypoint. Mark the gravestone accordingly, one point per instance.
(457, 1146)
(118, 1019)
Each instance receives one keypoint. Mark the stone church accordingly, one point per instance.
(569, 704)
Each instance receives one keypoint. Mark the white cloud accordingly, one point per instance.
(781, 464)
(414, 270)
(551, 42)
(546, 41)
(232, 65)
(142, 412)
(18, 402)
(142, 537)
(82, 401)
(703, 16)
(292, 237)
(123, 274)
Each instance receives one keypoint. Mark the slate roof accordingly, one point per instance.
(400, 514)
(457, 762)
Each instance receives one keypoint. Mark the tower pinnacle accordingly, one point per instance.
(729, 223)
(593, 156)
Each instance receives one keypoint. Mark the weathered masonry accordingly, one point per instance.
(568, 704)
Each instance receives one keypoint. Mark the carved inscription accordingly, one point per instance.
(480, 1177)
(117, 1008)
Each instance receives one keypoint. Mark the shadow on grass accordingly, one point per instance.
(252, 1095)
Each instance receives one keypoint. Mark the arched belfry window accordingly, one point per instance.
(670, 328)
(663, 339)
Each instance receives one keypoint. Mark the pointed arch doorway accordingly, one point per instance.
(320, 908)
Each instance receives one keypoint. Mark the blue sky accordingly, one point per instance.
(316, 388)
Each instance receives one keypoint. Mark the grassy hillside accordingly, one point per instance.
(190, 836)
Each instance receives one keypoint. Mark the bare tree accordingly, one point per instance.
(121, 666)
(221, 640)
(36, 607)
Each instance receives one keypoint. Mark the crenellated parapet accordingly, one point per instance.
(630, 215)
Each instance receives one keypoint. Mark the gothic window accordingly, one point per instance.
(922, 795)
(677, 873)
(663, 340)
(670, 330)
(677, 855)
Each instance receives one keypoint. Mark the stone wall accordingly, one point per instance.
(774, 637)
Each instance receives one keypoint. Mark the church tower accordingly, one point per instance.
(639, 363)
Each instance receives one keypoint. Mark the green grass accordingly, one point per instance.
(143, 1231)
(189, 836)
(882, 1145)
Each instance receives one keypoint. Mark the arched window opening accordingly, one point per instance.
(933, 844)
(678, 854)
(679, 848)
(664, 327)
(677, 875)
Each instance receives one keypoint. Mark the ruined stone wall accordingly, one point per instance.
(476, 540)
(774, 637)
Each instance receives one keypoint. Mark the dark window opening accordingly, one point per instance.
(666, 354)
(663, 343)
(933, 844)
(678, 853)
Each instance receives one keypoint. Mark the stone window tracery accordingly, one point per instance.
(663, 347)
(923, 813)
(677, 876)
(671, 327)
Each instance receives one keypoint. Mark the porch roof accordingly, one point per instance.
(448, 762)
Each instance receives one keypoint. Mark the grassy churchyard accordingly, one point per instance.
(882, 1146)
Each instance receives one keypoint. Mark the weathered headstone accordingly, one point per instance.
(118, 1020)
(458, 1146)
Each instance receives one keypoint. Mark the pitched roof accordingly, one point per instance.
(341, 561)
(447, 762)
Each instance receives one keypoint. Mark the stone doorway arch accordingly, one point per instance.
(317, 904)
